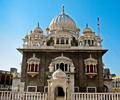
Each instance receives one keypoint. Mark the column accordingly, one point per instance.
(69, 41)
(64, 40)
(55, 41)
(93, 68)
(87, 43)
(85, 69)
(89, 68)
(55, 67)
(34, 67)
(59, 41)
(30, 67)
(90, 42)
(37, 67)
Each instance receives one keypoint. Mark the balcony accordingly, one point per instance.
(91, 75)
(32, 74)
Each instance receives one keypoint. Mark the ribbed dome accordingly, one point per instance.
(58, 74)
(63, 21)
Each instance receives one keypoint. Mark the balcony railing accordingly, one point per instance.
(5, 95)
(95, 96)
(9, 95)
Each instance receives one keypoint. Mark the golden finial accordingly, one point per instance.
(62, 11)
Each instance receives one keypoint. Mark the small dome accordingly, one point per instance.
(63, 21)
(58, 74)
(37, 29)
(87, 29)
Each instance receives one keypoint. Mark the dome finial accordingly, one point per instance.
(62, 11)
(38, 24)
(86, 25)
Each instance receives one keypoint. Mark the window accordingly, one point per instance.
(91, 68)
(32, 68)
(57, 41)
(89, 42)
(62, 66)
(66, 41)
(36, 66)
(32, 88)
(91, 89)
(62, 40)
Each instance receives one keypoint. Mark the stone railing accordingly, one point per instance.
(95, 96)
(9, 95)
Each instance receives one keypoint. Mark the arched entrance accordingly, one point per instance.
(59, 93)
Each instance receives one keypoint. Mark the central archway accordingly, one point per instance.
(59, 93)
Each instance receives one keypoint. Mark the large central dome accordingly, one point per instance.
(63, 21)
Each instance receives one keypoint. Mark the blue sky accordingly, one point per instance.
(19, 17)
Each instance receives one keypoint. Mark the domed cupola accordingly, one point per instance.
(63, 22)
(87, 30)
(59, 74)
(35, 38)
(38, 29)
(89, 38)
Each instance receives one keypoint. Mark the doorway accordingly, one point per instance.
(59, 93)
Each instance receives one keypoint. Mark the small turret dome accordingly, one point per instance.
(87, 29)
(63, 21)
(59, 74)
(37, 29)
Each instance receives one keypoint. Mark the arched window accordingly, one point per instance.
(57, 42)
(36, 67)
(89, 43)
(32, 67)
(62, 66)
(62, 40)
(91, 68)
(66, 41)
